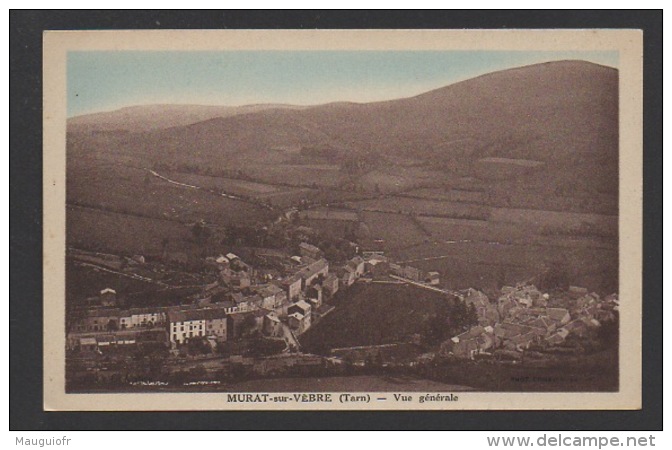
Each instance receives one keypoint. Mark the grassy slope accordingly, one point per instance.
(374, 314)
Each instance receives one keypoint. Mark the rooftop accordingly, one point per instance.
(313, 268)
(197, 314)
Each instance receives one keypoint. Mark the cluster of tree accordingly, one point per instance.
(458, 318)
(255, 236)
(260, 347)
(336, 250)
(556, 275)
(199, 345)
(201, 232)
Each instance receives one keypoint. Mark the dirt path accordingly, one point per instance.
(211, 191)
(428, 287)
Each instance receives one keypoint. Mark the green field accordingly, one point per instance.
(93, 229)
(83, 282)
(489, 265)
(423, 207)
(375, 314)
(134, 191)
(297, 174)
(606, 225)
(396, 230)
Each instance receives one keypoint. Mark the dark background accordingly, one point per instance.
(25, 238)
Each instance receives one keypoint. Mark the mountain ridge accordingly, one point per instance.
(562, 113)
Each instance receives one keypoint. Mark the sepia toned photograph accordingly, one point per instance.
(342, 220)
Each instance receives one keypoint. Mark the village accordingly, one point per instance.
(248, 321)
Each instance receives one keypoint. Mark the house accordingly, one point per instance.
(88, 344)
(396, 269)
(558, 337)
(577, 327)
(187, 324)
(229, 306)
(138, 259)
(250, 303)
(376, 264)
(524, 295)
(314, 294)
(296, 259)
(272, 296)
(292, 287)
(347, 276)
(577, 291)
(432, 278)
(125, 319)
(146, 317)
(301, 306)
(306, 249)
(330, 284)
(358, 264)
(108, 297)
(93, 341)
(304, 308)
(507, 330)
(559, 316)
(182, 326)
(611, 299)
(236, 278)
(521, 341)
(297, 322)
(413, 273)
(101, 319)
(476, 298)
(466, 345)
(272, 325)
(312, 271)
(542, 322)
(504, 305)
(586, 301)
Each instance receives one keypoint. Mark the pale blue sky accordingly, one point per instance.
(103, 81)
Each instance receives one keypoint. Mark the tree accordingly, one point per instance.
(112, 325)
(555, 276)
(607, 334)
(200, 232)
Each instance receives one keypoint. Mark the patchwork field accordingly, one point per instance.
(561, 221)
(395, 230)
(230, 185)
(297, 174)
(126, 234)
(449, 195)
(134, 191)
(445, 229)
(328, 214)
(82, 282)
(422, 206)
(277, 195)
(492, 264)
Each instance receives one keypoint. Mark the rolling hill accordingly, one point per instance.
(564, 114)
(155, 117)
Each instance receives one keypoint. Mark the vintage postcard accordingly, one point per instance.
(340, 220)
